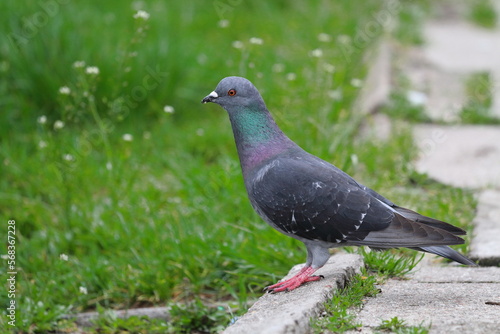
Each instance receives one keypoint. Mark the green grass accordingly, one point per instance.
(339, 316)
(483, 13)
(192, 317)
(411, 15)
(479, 89)
(398, 326)
(392, 263)
(129, 206)
(399, 105)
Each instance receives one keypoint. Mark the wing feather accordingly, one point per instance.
(317, 201)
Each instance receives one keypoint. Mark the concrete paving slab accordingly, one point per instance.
(454, 49)
(447, 307)
(462, 156)
(447, 297)
(447, 274)
(87, 319)
(446, 95)
(444, 90)
(485, 244)
(461, 46)
(475, 50)
(291, 312)
(377, 85)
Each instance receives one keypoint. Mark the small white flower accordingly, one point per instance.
(64, 90)
(83, 290)
(202, 59)
(42, 144)
(109, 165)
(200, 132)
(335, 94)
(63, 257)
(223, 23)
(168, 109)
(141, 14)
(92, 70)
(416, 98)
(42, 119)
(238, 44)
(344, 39)
(278, 68)
(356, 82)
(329, 68)
(354, 159)
(58, 125)
(127, 137)
(324, 37)
(291, 76)
(146, 135)
(79, 64)
(316, 53)
(256, 40)
(68, 157)
(251, 65)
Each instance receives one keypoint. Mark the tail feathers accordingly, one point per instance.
(403, 232)
(415, 216)
(446, 252)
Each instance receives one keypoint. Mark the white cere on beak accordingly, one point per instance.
(210, 97)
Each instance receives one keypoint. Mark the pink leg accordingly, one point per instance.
(303, 276)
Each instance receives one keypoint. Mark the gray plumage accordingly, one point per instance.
(313, 201)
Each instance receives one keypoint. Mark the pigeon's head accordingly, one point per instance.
(234, 93)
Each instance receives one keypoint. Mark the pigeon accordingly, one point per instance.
(311, 200)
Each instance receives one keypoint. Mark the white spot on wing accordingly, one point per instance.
(317, 185)
(294, 222)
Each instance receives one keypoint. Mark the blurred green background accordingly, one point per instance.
(126, 191)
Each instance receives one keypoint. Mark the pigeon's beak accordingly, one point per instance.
(210, 97)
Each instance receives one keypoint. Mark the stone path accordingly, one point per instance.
(454, 50)
(466, 156)
(459, 48)
(485, 245)
(461, 155)
(291, 312)
(448, 298)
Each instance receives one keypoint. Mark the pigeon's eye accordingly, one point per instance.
(231, 92)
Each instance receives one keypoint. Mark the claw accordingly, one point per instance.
(303, 276)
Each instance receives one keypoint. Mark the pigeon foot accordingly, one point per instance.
(303, 276)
